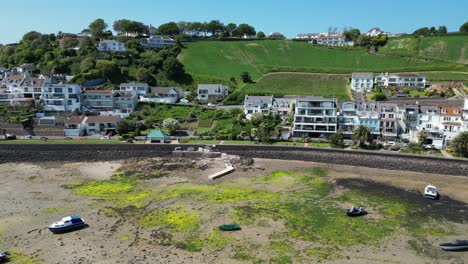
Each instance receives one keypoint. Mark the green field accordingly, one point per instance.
(280, 84)
(223, 60)
(444, 48)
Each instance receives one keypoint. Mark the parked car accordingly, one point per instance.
(67, 138)
(10, 136)
(27, 137)
(106, 137)
(44, 138)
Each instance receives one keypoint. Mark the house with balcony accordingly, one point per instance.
(157, 42)
(141, 89)
(31, 87)
(451, 121)
(465, 114)
(368, 114)
(315, 116)
(401, 80)
(164, 95)
(389, 121)
(362, 82)
(429, 121)
(97, 100)
(348, 119)
(75, 126)
(111, 46)
(333, 40)
(283, 106)
(257, 104)
(124, 103)
(61, 97)
(212, 91)
(408, 121)
(102, 124)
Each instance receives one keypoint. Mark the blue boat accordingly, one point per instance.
(68, 223)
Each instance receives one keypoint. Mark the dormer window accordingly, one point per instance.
(443, 111)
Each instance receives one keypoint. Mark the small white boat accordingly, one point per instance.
(455, 245)
(67, 224)
(4, 257)
(430, 192)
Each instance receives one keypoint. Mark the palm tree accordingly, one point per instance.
(460, 143)
(362, 134)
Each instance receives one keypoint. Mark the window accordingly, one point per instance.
(456, 112)
(70, 90)
(429, 126)
(446, 118)
(92, 124)
(69, 102)
(390, 116)
(443, 111)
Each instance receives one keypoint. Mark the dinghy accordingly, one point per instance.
(455, 245)
(68, 223)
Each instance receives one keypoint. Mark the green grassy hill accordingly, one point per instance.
(445, 48)
(280, 84)
(223, 60)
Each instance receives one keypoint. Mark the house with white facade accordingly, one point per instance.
(375, 32)
(141, 89)
(257, 104)
(31, 87)
(334, 40)
(109, 102)
(465, 115)
(102, 124)
(451, 121)
(429, 121)
(283, 106)
(164, 95)
(25, 67)
(157, 42)
(124, 103)
(212, 91)
(362, 82)
(389, 121)
(405, 80)
(111, 45)
(315, 116)
(75, 126)
(61, 97)
(348, 119)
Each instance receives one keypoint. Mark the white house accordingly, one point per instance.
(142, 89)
(212, 91)
(407, 80)
(102, 124)
(362, 82)
(451, 121)
(75, 126)
(61, 97)
(315, 116)
(334, 40)
(257, 104)
(154, 42)
(164, 95)
(111, 45)
(375, 32)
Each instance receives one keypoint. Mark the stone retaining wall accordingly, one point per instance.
(106, 152)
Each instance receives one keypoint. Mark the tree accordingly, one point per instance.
(432, 30)
(144, 75)
(361, 135)
(460, 142)
(337, 139)
(246, 29)
(109, 70)
(87, 64)
(125, 127)
(173, 68)
(171, 125)
(379, 97)
(129, 26)
(261, 35)
(245, 77)
(442, 30)
(215, 27)
(464, 27)
(352, 34)
(422, 137)
(424, 31)
(97, 28)
(169, 29)
(70, 43)
(363, 41)
(230, 28)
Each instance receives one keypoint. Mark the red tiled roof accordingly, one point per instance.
(452, 123)
(103, 119)
(450, 111)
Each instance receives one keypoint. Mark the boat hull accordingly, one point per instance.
(66, 228)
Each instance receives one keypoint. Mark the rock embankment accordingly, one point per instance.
(106, 152)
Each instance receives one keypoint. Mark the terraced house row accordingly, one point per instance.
(440, 119)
